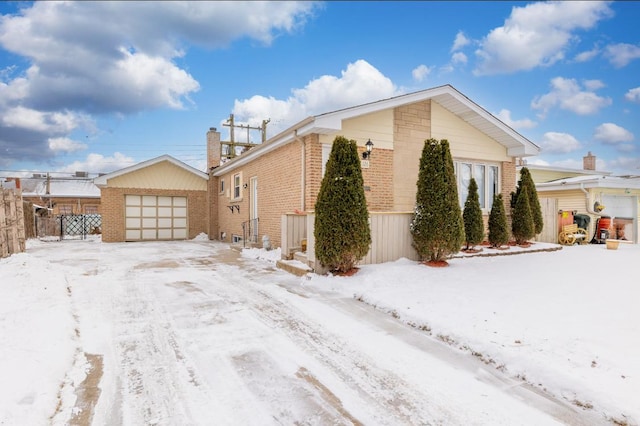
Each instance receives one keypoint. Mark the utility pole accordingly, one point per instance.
(228, 148)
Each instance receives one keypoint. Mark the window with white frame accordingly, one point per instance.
(486, 176)
(222, 186)
(237, 184)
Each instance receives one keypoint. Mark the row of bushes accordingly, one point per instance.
(439, 227)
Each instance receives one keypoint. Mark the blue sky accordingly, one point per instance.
(97, 86)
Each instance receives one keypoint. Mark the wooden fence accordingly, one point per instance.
(12, 235)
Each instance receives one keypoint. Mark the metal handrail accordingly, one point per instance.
(250, 229)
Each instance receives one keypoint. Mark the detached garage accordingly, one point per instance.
(159, 199)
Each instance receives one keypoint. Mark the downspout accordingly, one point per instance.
(587, 201)
(303, 177)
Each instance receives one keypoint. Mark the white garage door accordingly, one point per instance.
(619, 206)
(151, 217)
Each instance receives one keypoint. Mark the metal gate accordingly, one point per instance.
(69, 226)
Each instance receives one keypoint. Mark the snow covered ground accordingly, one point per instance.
(192, 333)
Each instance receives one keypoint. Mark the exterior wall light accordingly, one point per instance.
(367, 153)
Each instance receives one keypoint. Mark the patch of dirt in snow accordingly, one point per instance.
(88, 392)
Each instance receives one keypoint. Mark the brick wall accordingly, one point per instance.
(57, 202)
(113, 210)
(279, 190)
(412, 126)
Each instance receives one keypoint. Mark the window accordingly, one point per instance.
(486, 176)
(65, 209)
(222, 186)
(237, 183)
(91, 209)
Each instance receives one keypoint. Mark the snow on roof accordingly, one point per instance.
(591, 181)
(59, 187)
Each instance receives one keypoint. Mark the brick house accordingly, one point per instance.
(158, 199)
(70, 195)
(251, 194)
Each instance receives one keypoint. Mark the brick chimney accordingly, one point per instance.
(213, 148)
(589, 162)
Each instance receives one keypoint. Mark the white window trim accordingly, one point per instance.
(487, 165)
(239, 186)
(221, 186)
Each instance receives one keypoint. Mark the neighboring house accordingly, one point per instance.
(250, 194)
(158, 199)
(71, 195)
(578, 191)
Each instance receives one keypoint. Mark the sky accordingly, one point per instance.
(97, 86)
(192, 332)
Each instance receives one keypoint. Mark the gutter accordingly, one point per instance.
(303, 178)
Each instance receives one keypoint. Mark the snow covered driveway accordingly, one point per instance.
(192, 333)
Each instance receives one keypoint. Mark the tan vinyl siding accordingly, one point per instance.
(466, 141)
(376, 126)
(163, 175)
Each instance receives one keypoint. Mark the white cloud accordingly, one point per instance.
(610, 133)
(625, 165)
(567, 94)
(633, 95)
(459, 58)
(537, 34)
(621, 54)
(359, 83)
(505, 116)
(421, 72)
(460, 41)
(587, 55)
(124, 61)
(98, 163)
(559, 143)
(593, 84)
(65, 145)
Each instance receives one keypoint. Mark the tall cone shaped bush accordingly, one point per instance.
(437, 228)
(342, 233)
(534, 202)
(522, 225)
(472, 217)
(498, 228)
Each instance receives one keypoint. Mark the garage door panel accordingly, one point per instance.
(165, 234)
(133, 222)
(151, 217)
(165, 201)
(149, 222)
(149, 200)
(132, 200)
(132, 234)
(132, 211)
(149, 212)
(619, 206)
(165, 222)
(149, 234)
